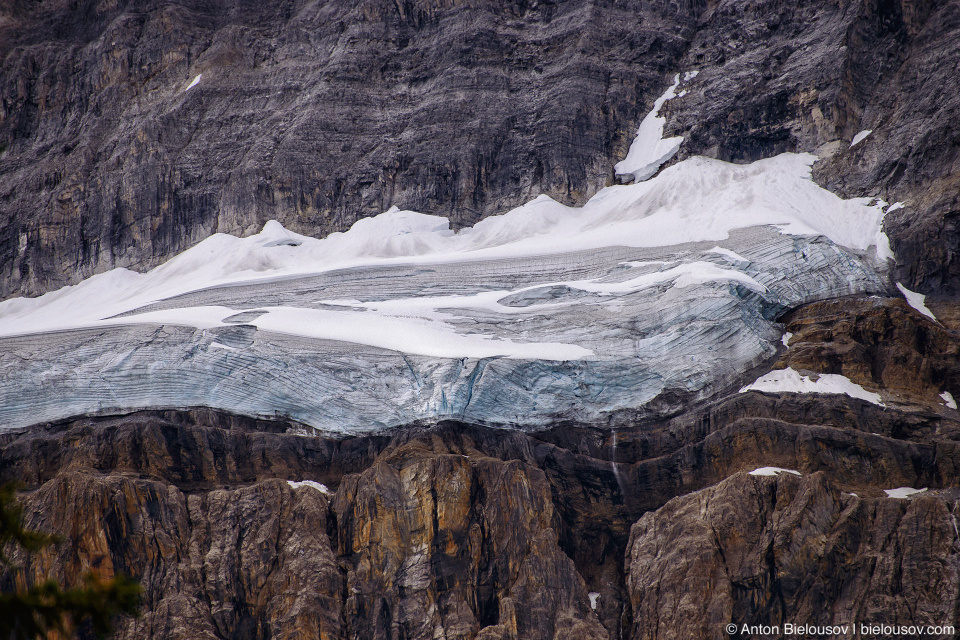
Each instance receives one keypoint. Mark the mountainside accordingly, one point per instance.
(319, 113)
(436, 319)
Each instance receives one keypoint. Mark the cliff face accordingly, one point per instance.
(311, 113)
(615, 501)
(319, 113)
(453, 530)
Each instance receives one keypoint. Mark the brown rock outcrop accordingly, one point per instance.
(777, 550)
(422, 541)
(880, 343)
(461, 530)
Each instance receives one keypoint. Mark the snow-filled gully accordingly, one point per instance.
(546, 312)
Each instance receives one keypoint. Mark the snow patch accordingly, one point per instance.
(424, 332)
(649, 150)
(594, 596)
(857, 139)
(948, 400)
(194, 83)
(772, 471)
(734, 257)
(790, 381)
(916, 300)
(894, 207)
(903, 492)
(786, 339)
(322, 488)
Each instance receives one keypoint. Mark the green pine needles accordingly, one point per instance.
(46, 609)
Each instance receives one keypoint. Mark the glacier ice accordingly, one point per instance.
(650, 296)
(594, 336)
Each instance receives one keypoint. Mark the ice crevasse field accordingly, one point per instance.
(652, 293)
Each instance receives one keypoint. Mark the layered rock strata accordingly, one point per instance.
(112, 156)
(650, 531)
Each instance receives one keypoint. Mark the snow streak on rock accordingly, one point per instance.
(790, 381)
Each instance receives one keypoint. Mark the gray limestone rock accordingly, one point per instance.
(313, 113)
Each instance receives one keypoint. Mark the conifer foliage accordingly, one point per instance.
(47, 610)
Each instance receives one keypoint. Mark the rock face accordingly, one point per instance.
(810, 76)
(878, 342)
(319, 113)
(312, 113)
(785, 550)
(421, 542)
(131, 130)
(462, 531)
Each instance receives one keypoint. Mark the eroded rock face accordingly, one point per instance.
(472, 532)
(445, 546)
(810, 76)
(422, 542)
(878, 342)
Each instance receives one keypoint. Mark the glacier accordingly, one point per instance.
(649, 297)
